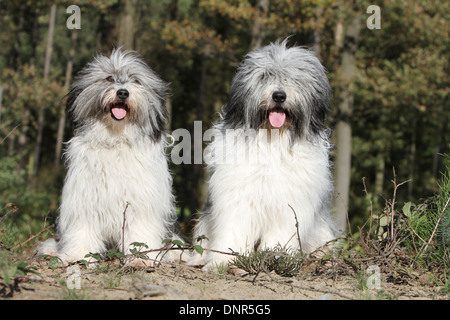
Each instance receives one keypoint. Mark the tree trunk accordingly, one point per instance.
(379, 180)
(1, 98)
(412, 158)
(62, 115)
(198, 143)
(258, 31)
(380, 167)
(48, 54)
(439, 141)
(169, 111)
(48, 51)
(343, 130)
(22, 139)
(316, 31)
(126, 28)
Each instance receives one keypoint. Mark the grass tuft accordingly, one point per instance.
(284, 262)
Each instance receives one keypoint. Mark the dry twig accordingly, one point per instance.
(296, 226)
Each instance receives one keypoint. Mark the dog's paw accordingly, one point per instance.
(48, 247)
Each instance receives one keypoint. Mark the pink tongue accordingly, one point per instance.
(277, 118)
(119, 113)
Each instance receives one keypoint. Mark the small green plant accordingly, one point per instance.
(284, 262)
(112, 279)
(74, 294)
(11, 265)
(445, 283)
(138, 248)
(109, 255)
(222, 268)
(430, 229)
(443, 206)
(112, 254)
(176, 244)
(54, 262)
(198, 247)
(10, 268)
(417, 233)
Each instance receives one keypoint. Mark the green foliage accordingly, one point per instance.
(430, 224)
(10, 268)
(112, 254)
(400, 114)
(30, 206)
(9, 235)
(11, 265)
(74, 294)
(138, 249)
(443, 208)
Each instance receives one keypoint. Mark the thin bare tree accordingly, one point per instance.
(48, 55)
(343, 131)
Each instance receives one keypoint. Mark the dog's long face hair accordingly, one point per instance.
(117, 91)
(280, 87)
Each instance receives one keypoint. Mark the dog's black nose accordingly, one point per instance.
(279, 96)
(122, 94)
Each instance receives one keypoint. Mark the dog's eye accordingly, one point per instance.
(137, 82)
(109, 79)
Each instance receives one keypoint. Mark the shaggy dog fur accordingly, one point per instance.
(117, 167)
(270, 182)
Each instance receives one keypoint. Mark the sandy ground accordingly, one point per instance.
(111, 281)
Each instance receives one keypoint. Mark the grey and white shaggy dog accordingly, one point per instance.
(118, 189)
(270, 182)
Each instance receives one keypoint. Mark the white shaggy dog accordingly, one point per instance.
(118, 189)
(270, 182)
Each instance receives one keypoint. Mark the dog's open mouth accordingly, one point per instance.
(277, 117)
(119, 110)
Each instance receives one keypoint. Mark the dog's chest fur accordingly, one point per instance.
(107, 172)
(268, 174)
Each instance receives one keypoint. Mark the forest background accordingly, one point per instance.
(391, 85)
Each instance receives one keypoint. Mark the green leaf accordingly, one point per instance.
(139, 244)
(54, 262)
(84, 262)
(198, 249)
(383, 221)
(407, 209)
(96, 256)
(202, 237)
(178, 243)
(120, 255)
(9, 272)
(112, 253)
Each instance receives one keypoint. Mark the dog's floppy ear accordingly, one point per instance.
(319, 112)
(160, 116)
(321, 97)
(233, 114)
(160, 120)
(70, 100)
(235, 108)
